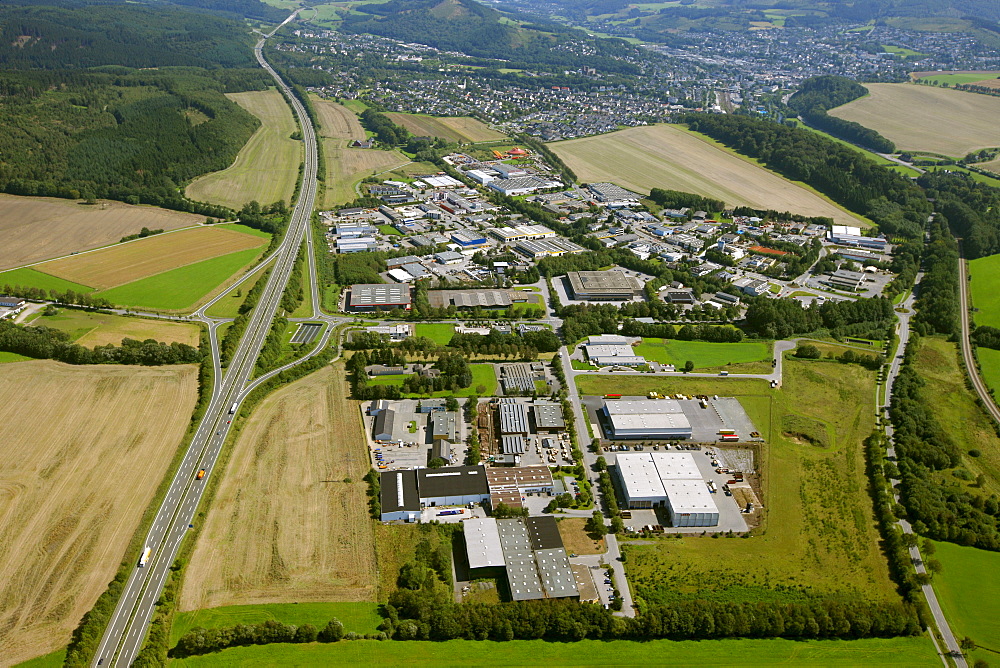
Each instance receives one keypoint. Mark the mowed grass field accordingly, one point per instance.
(84, 449)
(337, 121)
(984, 289)
(42, 228)
(30, 277)
(819, 523)
(98, 329)
(970, 595)
(954, 78)
(266, 169)
(290, 521)
(359, 616)
(702, 353)
(345, 167)
(462, 129)
(926, 118)
(666, 156)
(438, 332)
(903, 652)
(125, 263)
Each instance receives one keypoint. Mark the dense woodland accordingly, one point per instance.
(818, 94)
(971, 208)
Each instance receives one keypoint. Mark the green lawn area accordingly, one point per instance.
(482, 374)
(32, 278)
(705, 355)
(236, 227)
(388, 229)
(989, 365)
(438, 332)
(12, 357)
(958, 77)
(975, 176)
(53, 660)
(970, 595)
(229, 306)
(703, 654)
(818, 521)
(181, 288)
(984, 287)
(360, 617)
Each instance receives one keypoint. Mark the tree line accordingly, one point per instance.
(816, 95)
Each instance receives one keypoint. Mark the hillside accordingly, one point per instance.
(483, 32)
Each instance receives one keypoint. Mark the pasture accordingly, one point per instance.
(42, 228)
(666, 156)
(98, 329)
(461, 129)
(74, 485)
(969, 595)
(438, 332)
(984, 289)
(902, 652)
(704, 354)
(925, 118)
(6, 357)
(266, 168)
(360, 617)
(125, 263)
(32, 278)
(818, 523)
(184, 287)
(482, 375)
(345, 167)
(337, 121)
(290, 520)
(955, 408)
(229, 306)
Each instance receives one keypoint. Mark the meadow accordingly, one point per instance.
(125, 263)
(69, 514)
(290, 520)
(345, 167)
(984, 288)
(266, 168)
(97, 329)
(970, 595)
(461, 129)
(903, 652)
(704, 354)
(905, 113)
(6, 357)
(666, 156)
(42, 228)
(438, 332)
(32, 278)
(819, 522)
(360, 617)
(182, 288)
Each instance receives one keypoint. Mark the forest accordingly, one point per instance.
(840, 172)
(819, 94)
(971, 208)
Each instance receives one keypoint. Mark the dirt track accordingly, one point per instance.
(285, 526)
(84, 449)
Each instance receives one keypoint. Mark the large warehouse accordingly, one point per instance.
(668, 480)
(378, 296)
(646, 418)
(612, 285)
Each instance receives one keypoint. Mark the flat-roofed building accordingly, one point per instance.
(379, 296)
(548, 417)
(536, 562)
(513, 419)
(667, 480)
(847, 280)
(444, 425)
(690, 504)
(660, 418)
(482, 543)
(613, 354)
(464, 299)
(398, 495)
(612, 285)
(452, 486)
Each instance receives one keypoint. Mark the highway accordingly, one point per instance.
(127, 628)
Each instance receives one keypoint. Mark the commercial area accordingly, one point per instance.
(670, 480)
(604, 285)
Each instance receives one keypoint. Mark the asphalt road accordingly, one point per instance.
(970, 361)
(127, 629)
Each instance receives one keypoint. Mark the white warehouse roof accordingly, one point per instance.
(675, 465)
(689, 496)
(641, 406)
(482, 541)
(654, 423)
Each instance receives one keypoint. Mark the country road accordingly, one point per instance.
(127, 628)
(967, 356)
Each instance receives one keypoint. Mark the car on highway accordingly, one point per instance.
(201, 474)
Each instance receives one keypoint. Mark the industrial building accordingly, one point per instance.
(474, 298)
(548, 417)
(851, 236)
(668, 480)
(513, 418)
(379, 296)
(547, 248)
(611, 285)
(846, 280)
(444, 426)
(654, 418)
(530, 552)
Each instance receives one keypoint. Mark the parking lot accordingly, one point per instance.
(722, 413)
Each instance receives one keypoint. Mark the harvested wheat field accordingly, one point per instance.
(267, 167)
(337, 121)
(129, 262)
(345, 167)
(285, 525)
(452, 128)
(84, 449)
(41, 228)
(926, 118)
(665, 156)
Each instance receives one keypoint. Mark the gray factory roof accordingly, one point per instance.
(399, 491)
(556, 573)
(612, 282)
(548, 415)
(513, 445)
(385, 421)
(452, 481)
(470, 298)
(544, 532)
(444, 424)
(522, 572)
(513, 419)
(379, 294)
(654, 422)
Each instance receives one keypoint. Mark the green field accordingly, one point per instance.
(705, 355)
(438, 332)
(984, 288)
(181, 288)
(989, 367)
(957, 77)
(229, 305)
(482, 374)
(389, 230)
(818, 522)
(32, 278)
(359, 617)
(975, 176)
(236, 227)
(53, 660)
(97, 329)
(969, 594)
(704, 654)
(6, 357)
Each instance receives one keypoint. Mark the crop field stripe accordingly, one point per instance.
(183, 287)
(665, 156)
(927, 118)
(32, 278)
(125, 263)
(337, 121)
(266, 168)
